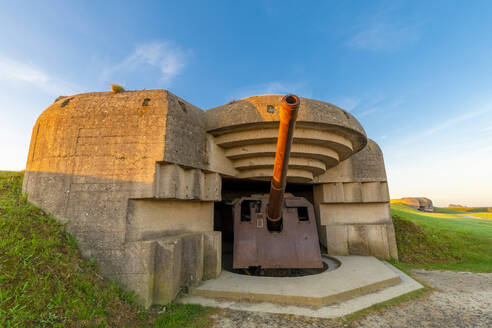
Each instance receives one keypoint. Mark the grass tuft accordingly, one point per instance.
(116, 88)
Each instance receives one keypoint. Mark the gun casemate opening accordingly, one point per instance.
(289, 237)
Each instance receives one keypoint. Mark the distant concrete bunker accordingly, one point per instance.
(419, 203)
(146, 180)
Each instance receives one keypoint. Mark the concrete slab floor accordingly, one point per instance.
(342, 307)
(357, 275)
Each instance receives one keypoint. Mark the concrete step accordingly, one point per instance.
(356, 276)
(338, 309)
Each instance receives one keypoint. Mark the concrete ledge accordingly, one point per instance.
(357, 275)
(342, 308)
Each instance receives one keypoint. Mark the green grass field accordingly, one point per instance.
(45, 283)
(445, 241)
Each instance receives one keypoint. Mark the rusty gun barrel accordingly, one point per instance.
(288, 116)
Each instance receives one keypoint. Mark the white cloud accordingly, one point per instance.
(168, 58)
(15, 71)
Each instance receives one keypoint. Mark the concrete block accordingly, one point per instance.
(357, 240)
(336, 239)
(176, 182)
(193, 255)
(393, 249)
(352, 192)
(138, 257)
(152, 219)
(212, 188)
(132, 258)
(212, 262)
(360, 213)
(377, 238)
(328, 193)
(385, 191)
(371, 192)
(140, 283)
(168, 275)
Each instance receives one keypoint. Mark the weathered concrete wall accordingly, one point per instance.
(136, 175)
(352, 204)
(94, 156)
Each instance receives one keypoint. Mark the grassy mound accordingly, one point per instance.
(44, 282)
(442, 240)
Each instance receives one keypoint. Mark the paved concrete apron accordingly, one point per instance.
(461, 299)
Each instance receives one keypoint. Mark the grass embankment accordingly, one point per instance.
(45, 283)
(445, 241)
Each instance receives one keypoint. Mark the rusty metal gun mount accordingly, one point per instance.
(276, 231)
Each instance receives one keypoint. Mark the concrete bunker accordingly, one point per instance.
(142, 176)
(419, 203)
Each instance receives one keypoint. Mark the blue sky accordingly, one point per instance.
(417, 74)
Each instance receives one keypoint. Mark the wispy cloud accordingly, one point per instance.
(166, 57)
(273, 87)
(384, 36)
(379, 105)
(368, 111)
(12, 70)
(348, 103)
(456, 120)
(449, 129)
(368, 104)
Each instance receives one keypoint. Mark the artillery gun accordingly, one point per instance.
(277, 231)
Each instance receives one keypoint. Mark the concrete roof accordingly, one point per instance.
(263, 109)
